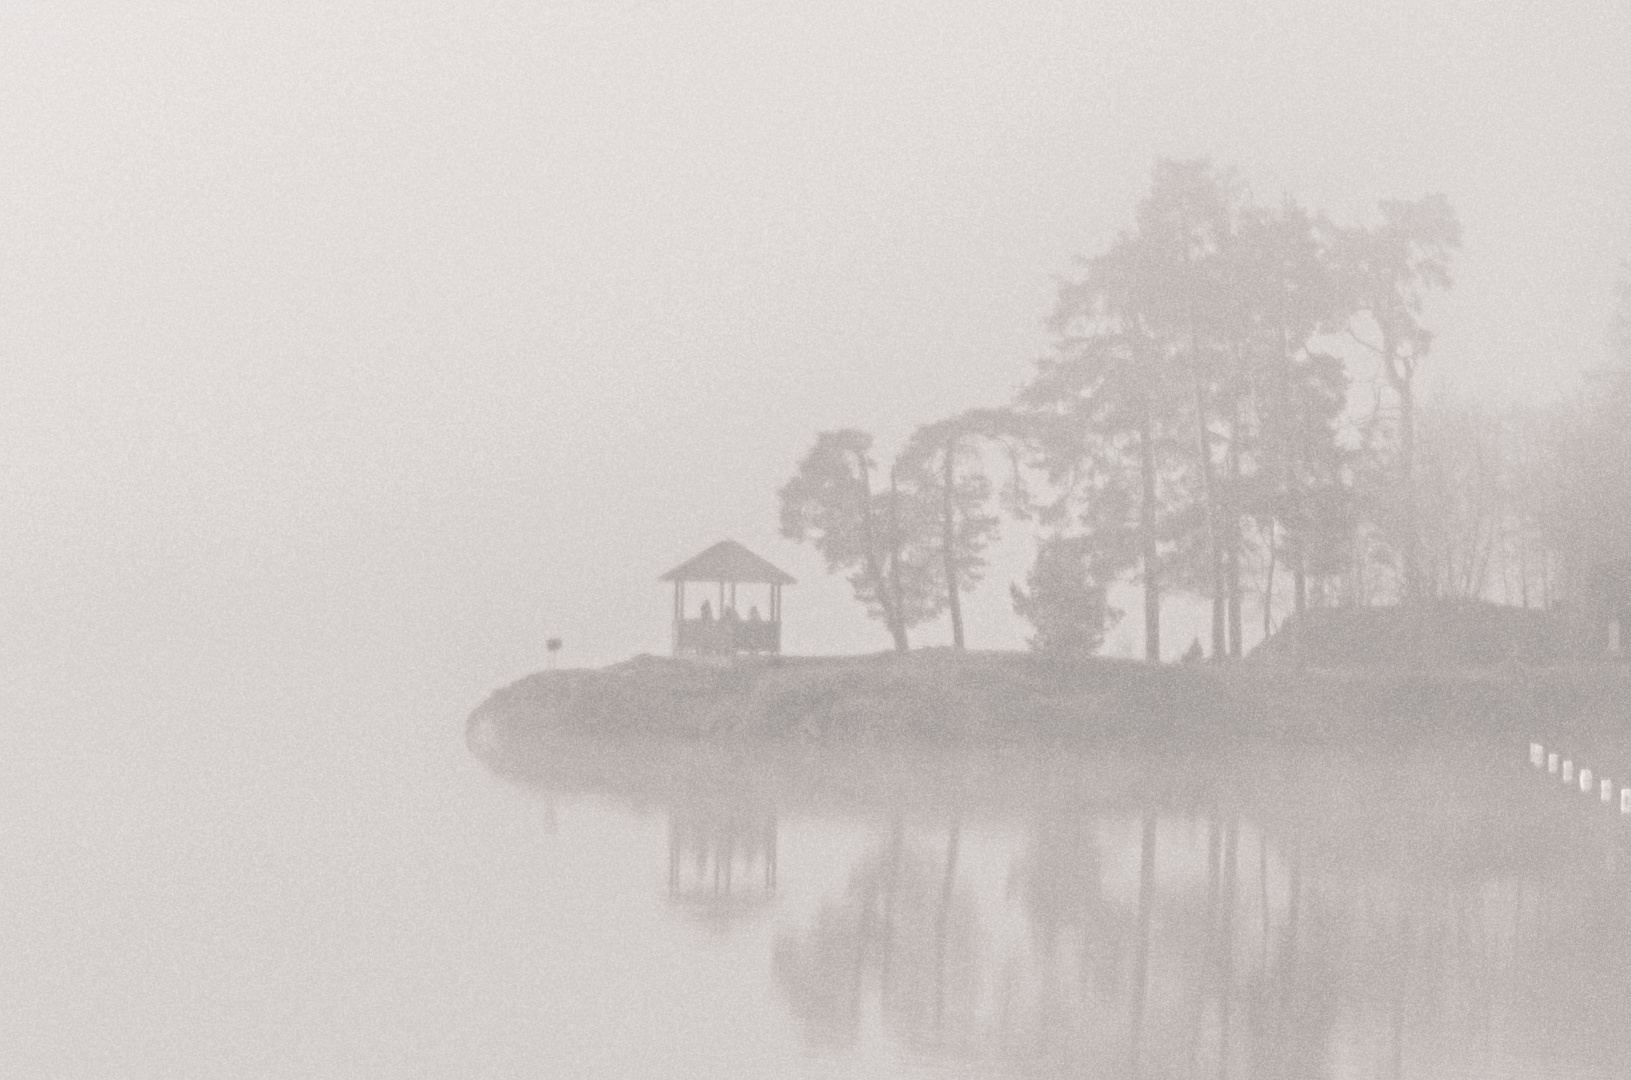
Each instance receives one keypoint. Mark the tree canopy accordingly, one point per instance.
(1191, 429)
(883, 539)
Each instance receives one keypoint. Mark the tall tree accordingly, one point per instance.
(885, 539)
(943, 462)
(1203, 326)
(1241, 289)
(1103, 417)
(1065, 598)
(1462, 478)
(1387, 272)
(1283, 293)
(1182, 226)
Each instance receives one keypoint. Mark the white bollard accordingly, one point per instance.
(1568, 772)
(1585, 781)
(1607, 787)
(1551, 763)
(1537, 755)
(1625, 800)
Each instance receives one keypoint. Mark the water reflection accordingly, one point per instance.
(1448, 913)
(722, 861)
(901, 940)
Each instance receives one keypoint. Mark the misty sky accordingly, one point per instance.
(387, 340)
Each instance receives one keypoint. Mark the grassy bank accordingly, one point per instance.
(993, 697)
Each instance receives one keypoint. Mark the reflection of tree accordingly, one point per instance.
(903, 936)
(1394, 913)
(1239, 955)
(1141, 968)
(1294, 1009)
(1179, 978)
(942, 925)
(1058, 882)
(1571, 956)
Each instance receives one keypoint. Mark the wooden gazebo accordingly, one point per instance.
(724, 630)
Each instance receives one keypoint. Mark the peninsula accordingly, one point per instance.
(939, 696)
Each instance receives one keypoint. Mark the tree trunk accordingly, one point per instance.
(1231, 538)
(1407, 467)
(1146, 523)
(1204, 454)
(948, 543)
(1293, 434)
(897, 608)
(898, 633)
(875, 574)
(1268, 582)
(1232, 571)
(1400, 376)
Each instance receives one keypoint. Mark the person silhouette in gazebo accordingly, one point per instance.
(707, 612)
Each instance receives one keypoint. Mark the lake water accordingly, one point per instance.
(218, 897)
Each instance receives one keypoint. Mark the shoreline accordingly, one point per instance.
(1445, 781)
(940, 697)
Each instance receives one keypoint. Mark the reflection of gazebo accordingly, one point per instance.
(721, 864)
(725, 630)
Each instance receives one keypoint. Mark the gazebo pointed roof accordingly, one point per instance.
(728, 561)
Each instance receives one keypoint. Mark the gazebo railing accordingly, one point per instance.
(721, 636)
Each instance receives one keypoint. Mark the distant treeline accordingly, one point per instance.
(1194, 429)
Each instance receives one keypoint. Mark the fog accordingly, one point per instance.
(351, 351)
(378, 337)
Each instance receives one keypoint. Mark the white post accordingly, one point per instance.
(1568, 772)
(1607, 788)
(1585, 781)
(1537, 755)
(1625, 800)
(1551, 763)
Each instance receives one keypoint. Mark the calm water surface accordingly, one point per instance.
(372, 898)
